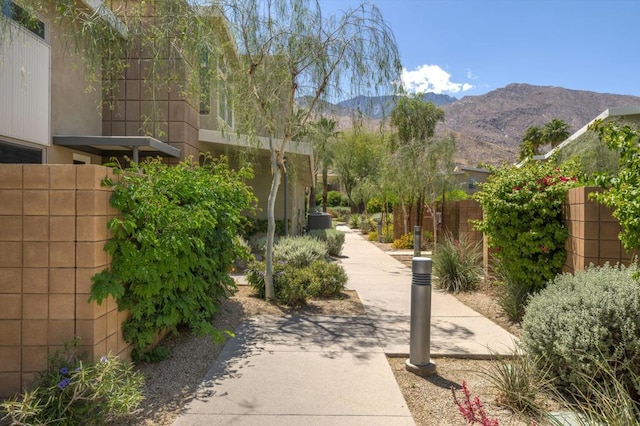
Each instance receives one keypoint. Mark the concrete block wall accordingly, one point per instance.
(593, 232)
(53, 228)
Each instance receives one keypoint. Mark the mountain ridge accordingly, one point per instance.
(488, 128)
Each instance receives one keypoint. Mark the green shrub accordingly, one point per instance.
(335, 199)
(299, 251)
(375, 205)
(332, 237)
(338, 212)
(372, 236)
(73, 391)
(367, 224)
(512, 296)
(354, 221)
(329, 280)
(294, 285)
(522, 219)
(580, 320)
(173, 245)
(457, 263)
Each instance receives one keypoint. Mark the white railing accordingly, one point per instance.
(25, 75)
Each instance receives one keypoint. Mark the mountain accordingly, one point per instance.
(380, 106)
(488, 127)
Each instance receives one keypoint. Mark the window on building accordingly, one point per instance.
(16, 154)
(23, 17)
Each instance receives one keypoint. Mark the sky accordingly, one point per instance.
(471, 47)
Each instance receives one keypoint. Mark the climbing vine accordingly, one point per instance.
(173, 245)
(622, 191)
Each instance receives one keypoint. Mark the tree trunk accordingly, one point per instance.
(269, 291)
(325, 188)
(312, 200)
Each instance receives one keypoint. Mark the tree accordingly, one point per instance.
(412, 146)
(554, 132)
(531, 142)
(324, 136)
(289, 49)
(357, 159)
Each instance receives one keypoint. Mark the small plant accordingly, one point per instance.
(299, 251)
(522, 384)
(74, 391)
(404, 242)
(367, 224)
(513, 296)
(456, 263)
(332, 237)
(354, 221)
(582, 320)
(472, 410)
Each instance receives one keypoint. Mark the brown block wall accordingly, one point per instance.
(593, 232)
(53, 227)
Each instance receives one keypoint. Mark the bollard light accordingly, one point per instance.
(379, 230)
(417, 241)
(419, 361)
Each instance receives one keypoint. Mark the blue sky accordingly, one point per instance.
(470, 47)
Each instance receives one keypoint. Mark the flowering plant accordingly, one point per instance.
(521, 209)
(472, 409)
(76, 391)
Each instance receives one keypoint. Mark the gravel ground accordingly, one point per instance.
(172, 382)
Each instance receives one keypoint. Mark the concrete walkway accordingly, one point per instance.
(321, 370)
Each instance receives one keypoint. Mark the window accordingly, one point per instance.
(22, 17)
(15, 154)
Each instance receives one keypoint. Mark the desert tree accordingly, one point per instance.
(555, 131)
(414, 153)
(323, 135)
(289, 49)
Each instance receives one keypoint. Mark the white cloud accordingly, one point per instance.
(431, 78)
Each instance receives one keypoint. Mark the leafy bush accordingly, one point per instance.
(335, 199)
(173, 245)
(622, 195)
(338, 212)
(522, 219)
(329, 280)
(299, 251)
(457, 263)
(578, 321)
(293, 285)
(404, 242)
(74, 391)
(332, 237)
(375, 205)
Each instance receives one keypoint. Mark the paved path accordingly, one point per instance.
(331, 370)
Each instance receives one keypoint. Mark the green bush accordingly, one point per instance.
(173, 245)
(335, 199)
(332, 237)
(578, 321)
(457, 264)
(329, 280)
(338, 212)
(375, 205)
(522, 219)
(294, 285)
(367, 224)
(299, 251)
(73, 391)
(512, 296)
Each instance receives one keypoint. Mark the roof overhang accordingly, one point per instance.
(115, 146)
(614, 112)
(98, 7)
(299, 152)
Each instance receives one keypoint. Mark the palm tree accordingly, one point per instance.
(555, 132)
(531, 141)
(324, 135)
